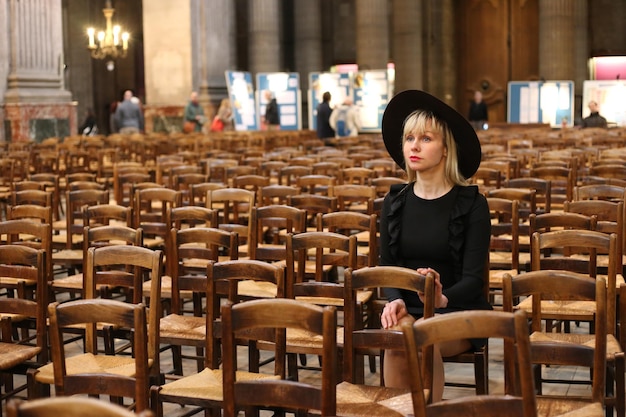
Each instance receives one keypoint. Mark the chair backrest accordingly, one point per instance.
(191, 216)
(15, 230)
(151, 209)
(27, 263)
(37, 197)
(103, 214)
(358, 340)
(323, 248)
(352, 197)
(144, 263)
(198, 192)
(519, 399)
(592, 242)
(90, 312)
(234, 207)
(504, 233)
(261, 314)
(542, 187)
(31, 212)
(353, 223)
(276, 194)
(558, 286)
(69, 407)
(224, 280)
(191, 250)
(270, 225)
(76, 202)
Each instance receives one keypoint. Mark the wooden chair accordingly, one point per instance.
(198, 192)
(18, 353)
(251, 183)
(363, 226)
(271, 392)
(360, 341)
(543, 191)
(313, 204)
(316, 184)
(101, 374)
(151, 208)
(570, 242)
(32, 196)
(562, 181)
(96, 237)
(270, 225)
(36, 236)
(518, 399)
(122, 266)
(107, 214)
(189, 253)
(487, 179)
(234, 210)
(204, 389)
(549, 348)
(183, 183)
(276, 194)
(126, 181)
(30, 212)
(359, 198)
(289, 174)
(357, 175)
(69, 407)
(192, 216)
(504, 243)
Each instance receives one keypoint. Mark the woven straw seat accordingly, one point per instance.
(545, 407)
(8, 281)
(367, 400)
(187, 328)
(207, 384)
(13, 354)
(69, 255)
(89, 363)
(166, 288)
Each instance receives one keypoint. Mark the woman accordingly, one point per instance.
(224, 115)
(436, 222)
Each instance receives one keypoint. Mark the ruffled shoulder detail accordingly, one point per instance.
(397, 196)
(464, 203)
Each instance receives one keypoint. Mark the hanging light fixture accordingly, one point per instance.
(110, 43)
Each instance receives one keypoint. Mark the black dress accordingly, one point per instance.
(449, 234)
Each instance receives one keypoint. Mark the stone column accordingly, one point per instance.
(440, 78)
(308, 34)
(556, 39)
(581, 53)
(607, 28)
(264, 34)
(35, 102)
(308, 45)
(407, 41)
(214, 46)
(372, 34)
(167, 62)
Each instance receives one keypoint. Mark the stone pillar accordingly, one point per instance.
(581, 53)
(440, 79)
(215, 47)
(407, 49)
(36, 104)
(372, 34)
(264, 34)
(556, 39)
(308, 45)
(167, 62)
(607, 28)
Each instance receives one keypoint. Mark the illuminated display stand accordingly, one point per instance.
(550, 102)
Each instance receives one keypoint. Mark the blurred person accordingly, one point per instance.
(478, 114)
(223, 120)
(594, 119)
(344, 119)
(194, 114)
(323, 116)
(128, 115)
(272, 117)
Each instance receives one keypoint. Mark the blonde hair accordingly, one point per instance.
(418, 122)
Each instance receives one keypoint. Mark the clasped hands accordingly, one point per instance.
(395, 310)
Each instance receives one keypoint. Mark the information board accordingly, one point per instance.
(241, 94)
(286, 88)
(611, 98)
(337, 84)
(541, 102)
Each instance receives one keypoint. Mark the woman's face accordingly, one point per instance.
(425, 151)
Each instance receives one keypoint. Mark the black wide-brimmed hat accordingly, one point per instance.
(405, 103)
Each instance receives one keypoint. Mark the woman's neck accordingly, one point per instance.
(429, 189)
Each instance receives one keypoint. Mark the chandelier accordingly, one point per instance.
(109, 43)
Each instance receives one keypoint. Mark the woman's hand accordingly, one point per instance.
(392, 313)
(441, 301)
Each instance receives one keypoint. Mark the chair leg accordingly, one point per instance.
(155, 402)
(34, 388)
(481, 373)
